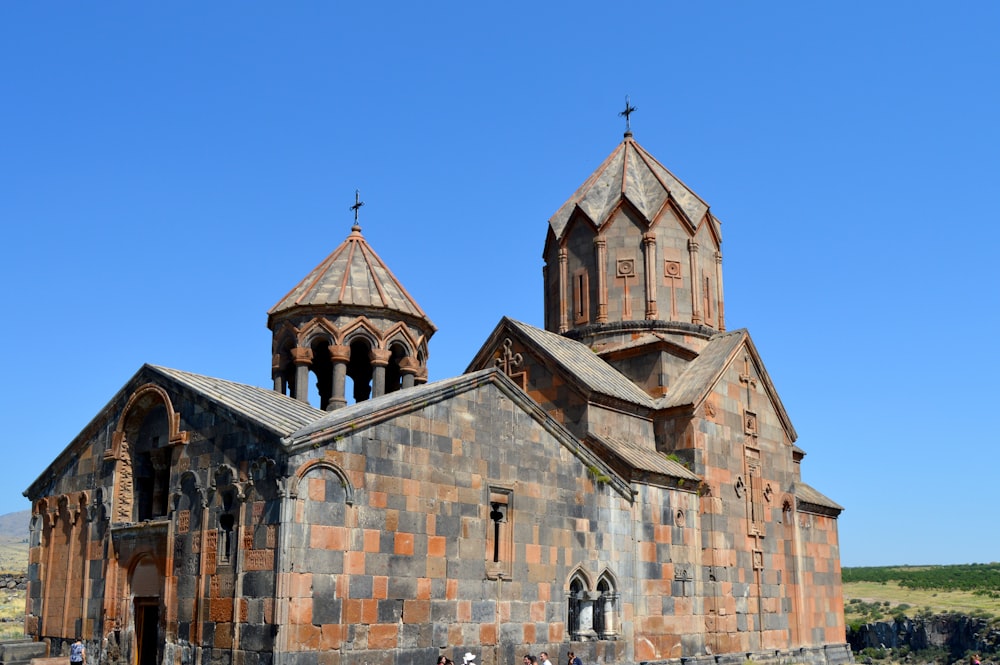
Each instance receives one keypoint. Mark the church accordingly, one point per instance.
(623, 483)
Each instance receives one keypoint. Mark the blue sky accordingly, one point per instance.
(170, 170)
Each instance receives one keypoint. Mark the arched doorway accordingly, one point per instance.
(145, 585)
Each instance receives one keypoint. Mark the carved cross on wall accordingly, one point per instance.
(749, 379)
(508, 360)
(625, 270)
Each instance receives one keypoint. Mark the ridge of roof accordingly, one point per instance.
(808, 494)
(274, 411)
(630, 172)
(703, 371)
(645, 459)
(352, 275)
(579, 361)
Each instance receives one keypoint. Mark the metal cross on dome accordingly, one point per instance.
(629, 110)
(357, 205)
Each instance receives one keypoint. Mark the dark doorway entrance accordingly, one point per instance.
(147, 621)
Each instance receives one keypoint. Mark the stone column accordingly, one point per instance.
(718, 280)
(610, 629)
(279, 385)
(379, 358)
(601, 251)
(586, 614)
(340, 355)
(302, 358)
(408, 368)
(695, 282)
(563, 283)
(649, 254)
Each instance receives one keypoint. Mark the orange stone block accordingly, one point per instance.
(529, 632)
(532, 554)
(352, 611)
(380, 587)
(383, 636)
(451, 589)
(423, 588)
(331, 636)
(404, 544)
(369, 611)
(300, 610)
(436, 545)
(300, 585)
(488, 634)
(354, 563)
(317, 489)
(463, 611)
(371, 538)
(306, 637)
(378, 499)
(537, 611)
(416, 611)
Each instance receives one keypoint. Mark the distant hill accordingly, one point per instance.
(14, 526)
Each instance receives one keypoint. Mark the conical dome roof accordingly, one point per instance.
(352, 276)
(629, 172)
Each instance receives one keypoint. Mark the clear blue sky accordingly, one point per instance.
(170, 170)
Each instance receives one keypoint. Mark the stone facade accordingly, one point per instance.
(624, 484)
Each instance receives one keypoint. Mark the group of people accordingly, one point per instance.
(542, 659)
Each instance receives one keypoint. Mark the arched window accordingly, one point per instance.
(359, 369)
(151, 465)
(605, 611)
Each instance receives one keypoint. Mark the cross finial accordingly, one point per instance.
(357, 205)
(629, 110)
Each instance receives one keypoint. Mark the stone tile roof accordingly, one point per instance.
(279, 413)
(702, 372)
(352, 275)
(645, 459)
(579, 361)
(632, 173)
(807, 494)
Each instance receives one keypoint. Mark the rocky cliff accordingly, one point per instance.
(956, 633)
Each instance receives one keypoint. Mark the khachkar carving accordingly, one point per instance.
(123, 506)
(510, 363)
(625, 270)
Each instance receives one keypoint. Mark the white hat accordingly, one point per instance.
(468, 658)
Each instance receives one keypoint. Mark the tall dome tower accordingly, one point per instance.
(633, 269)
(633, 249)
(350, 318)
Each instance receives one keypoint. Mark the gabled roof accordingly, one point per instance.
(645, 459)
(353, 275)
(356, 417)
(632, 173)
(276, 412)
(576, 360)
(813, 499)
(699, 378)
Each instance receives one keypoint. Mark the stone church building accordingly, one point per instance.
(623, 483)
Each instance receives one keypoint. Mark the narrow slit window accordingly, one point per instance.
(499, 534)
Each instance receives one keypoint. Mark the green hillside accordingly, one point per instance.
(875, 593)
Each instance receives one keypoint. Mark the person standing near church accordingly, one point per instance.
(573, 659)
(77, 652)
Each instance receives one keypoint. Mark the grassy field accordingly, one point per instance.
(13, 557)
(926, 600)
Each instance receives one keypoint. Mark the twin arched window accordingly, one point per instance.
(592, 613)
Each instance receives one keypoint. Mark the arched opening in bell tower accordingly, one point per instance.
(359, 369)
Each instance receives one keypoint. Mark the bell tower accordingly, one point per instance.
(349, 318)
